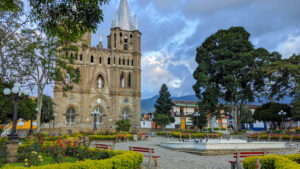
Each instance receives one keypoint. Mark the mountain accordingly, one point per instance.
(147, 105)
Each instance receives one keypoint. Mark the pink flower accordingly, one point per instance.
(59, 141)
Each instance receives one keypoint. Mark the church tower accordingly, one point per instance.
(110, 86)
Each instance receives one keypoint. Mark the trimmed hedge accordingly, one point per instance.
(273, 162)
(108, 137)
(126, 160)
(193, 135)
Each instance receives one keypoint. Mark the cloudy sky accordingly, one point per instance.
(172, 29)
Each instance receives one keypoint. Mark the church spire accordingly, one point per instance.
(123, 18)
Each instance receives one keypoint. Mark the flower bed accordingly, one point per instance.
(274, 161)
(110, 137)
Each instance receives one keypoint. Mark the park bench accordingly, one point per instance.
(212, 135)
(273, 136)
(239, 155)
(147, 152)
(121, 137)
(103, 146)
(143, 136)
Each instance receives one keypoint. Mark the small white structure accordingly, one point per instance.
(146, 124)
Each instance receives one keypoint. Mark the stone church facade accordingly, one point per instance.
(110, 80)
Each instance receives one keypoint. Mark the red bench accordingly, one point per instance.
(143, 136)
(240, 155)
(147, 152)
(103, 146)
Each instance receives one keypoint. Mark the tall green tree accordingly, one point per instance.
(163, 107)
(269, 113)
(47, 109)
(229, 68)
(284, 77)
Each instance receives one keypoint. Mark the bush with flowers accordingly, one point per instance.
(57, 151)
(34, 159)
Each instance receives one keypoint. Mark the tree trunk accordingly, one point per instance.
(40, 103)
(235, 117)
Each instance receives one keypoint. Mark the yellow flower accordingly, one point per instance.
(26, 159)
(40, 156)
(26, 164)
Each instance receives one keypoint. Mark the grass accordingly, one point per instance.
(46, 160)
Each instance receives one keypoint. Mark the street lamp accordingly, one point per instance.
(197, 115)
(95, 113)
(281, 113)
(16, 91)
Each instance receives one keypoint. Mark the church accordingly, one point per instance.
(110, 80)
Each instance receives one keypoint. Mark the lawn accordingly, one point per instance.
(46, 160)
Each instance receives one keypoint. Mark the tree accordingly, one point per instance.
(202, 120)
(246, 115)
(123, 125)
(269, 113)
(229, 68)
(284, 77)
(47, 110)
(163, 106)
(161, 120)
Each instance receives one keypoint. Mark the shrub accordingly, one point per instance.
(123, 125)
(161, 133)
(25, 149)
(3, 152)
(273, 162)
(33, 159)
(124, 160)
(57, 151)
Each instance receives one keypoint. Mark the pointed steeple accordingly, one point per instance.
(123, 18)
(136, 25)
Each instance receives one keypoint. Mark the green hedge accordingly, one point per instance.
(107, 137)
(273, 162)
(126, 160)
(193, 135)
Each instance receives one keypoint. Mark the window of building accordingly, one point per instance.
(100, 60)
(67, 55)
(71, 55)
(92, 59)
(181, 111)
(76, 56)
(98, 117)
(125, 115)
(70, 116)
(108, 61)
(80, 57)
(132, 62)
(77, 73)
(128, 62)
(119, 61)
(114, 60)
(123, 61)
(129, 80)
(125, 47)
(122, 80)
(68, 78)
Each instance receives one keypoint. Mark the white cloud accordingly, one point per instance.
(175, 83)
(290, 46)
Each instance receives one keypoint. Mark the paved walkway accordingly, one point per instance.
(170, 159)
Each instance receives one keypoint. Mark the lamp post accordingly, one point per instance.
(12, 144)
(95, 113)
(16, 93)
(197, 115)
(281, 113)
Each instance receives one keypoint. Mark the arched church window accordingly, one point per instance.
(128, 62)
(125, 115)
(114, 60)
(100, 82)
(123, 61)
(100, 60)
(132, 62)
(119, 61)
(70, 116)
(68, 78)
(125, 47)
(129, 80)
(122, 80)
(92, 59)
(125, 39)
(67, 54)
(76, 56)
(98, 117)
(80, 57)
(108, 61)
